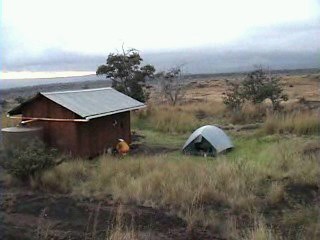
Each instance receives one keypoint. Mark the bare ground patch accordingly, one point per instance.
(33, 215)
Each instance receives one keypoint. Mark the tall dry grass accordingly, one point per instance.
(160, 182)
(63, 177)
(173, 121)
(261, 231)
(249, 113)
(119, 230)
(8, 122)
(199, 190)
(117, 227)
(44, 227)
(301, 123)
(187, 117)
(180, 118)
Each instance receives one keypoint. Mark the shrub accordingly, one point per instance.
(260, 85)
(233, 99)
(172, 86)
(29, 159)
(255, 88)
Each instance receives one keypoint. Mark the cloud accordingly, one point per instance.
(196, 60)
(55, 60)
(289, 37)
(98, 25)
(216, 39)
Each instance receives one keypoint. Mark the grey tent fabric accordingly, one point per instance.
(210, 139)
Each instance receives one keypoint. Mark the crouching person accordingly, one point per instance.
(122, 147)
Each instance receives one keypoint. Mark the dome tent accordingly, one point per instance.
(207, 140)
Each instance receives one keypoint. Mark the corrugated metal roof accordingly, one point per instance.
(94, 103)
(214, 135)
(88, 103)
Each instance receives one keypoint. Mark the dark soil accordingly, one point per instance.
(138, 147)
(43, 216)
(312, 148)
(302, 193)
(143, 149)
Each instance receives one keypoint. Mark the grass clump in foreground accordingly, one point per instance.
(70, 174)
(227, 193)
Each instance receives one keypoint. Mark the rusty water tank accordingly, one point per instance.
(14, 137)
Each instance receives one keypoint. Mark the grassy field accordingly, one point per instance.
(266, 188)
(267, 185)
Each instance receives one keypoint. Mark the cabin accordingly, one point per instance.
(83, 122)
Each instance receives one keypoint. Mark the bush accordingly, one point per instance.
(256, 88)
(172, 86)
(233, 98)
(29, 159)
(260, 85)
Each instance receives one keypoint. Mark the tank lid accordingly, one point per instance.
(21, 129)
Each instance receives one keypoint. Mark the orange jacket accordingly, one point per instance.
(122, 147)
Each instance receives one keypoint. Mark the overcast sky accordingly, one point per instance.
(77, 35)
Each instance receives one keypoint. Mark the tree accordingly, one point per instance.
(171, 85)
(233, 98)
(260, 85)
(126, 73)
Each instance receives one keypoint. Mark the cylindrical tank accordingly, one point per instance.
(14, 137)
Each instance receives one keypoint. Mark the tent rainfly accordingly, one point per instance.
(208, 140)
